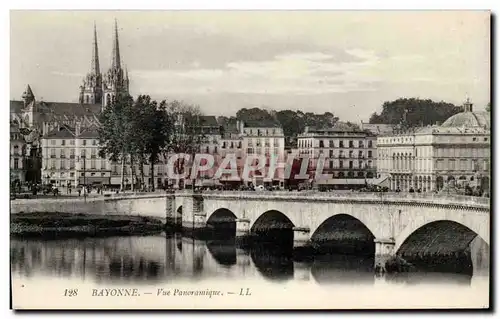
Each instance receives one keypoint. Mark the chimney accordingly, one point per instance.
(241, 126)
(77, 129)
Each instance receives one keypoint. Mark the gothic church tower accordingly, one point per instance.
(116, 79)
(91, 90)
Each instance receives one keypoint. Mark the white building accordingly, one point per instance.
(71, 158)
(349, 153)
(17, 154)
(429, 157)
(264, 138)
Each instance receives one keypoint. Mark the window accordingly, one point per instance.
(331, 144)
(94, 142)
(63, 142)
(360, 154)
(351, 154)
(341, 144)
(331, 153)
(351, 164)
(370, 144)
(321, 145)
(341, 164)
(71, 174)
(361, 144)
(82, 153)
(72, 153)
(341, 153)
(52, 164)
(84, 142)
(250, 151)
(351, 144)
(369, 154)
(369, 165)
(276, 142)
(215, 149)
(92, 164)
(360, 164)
(72, 142)
(103, 164)
(16, 150)
(62, 154)
(52, 153)
(16, 163)
(72, 164)
(52, 142)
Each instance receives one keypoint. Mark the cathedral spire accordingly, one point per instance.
(94, 68)
(115, 64)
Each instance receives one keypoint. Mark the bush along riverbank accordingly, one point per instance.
(81, 225)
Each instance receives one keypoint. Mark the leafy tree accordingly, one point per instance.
(186, 136)
(414, 112)
(116, 131)
(488, 107)
(151, 128)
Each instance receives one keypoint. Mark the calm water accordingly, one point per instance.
(161, 259)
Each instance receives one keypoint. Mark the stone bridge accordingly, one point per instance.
(397, 223)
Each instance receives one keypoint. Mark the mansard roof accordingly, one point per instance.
(69, 133)
(59, 108)
(209, 120)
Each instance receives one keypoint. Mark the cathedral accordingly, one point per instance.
(30, 119)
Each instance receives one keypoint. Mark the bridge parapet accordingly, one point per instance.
(396, 198)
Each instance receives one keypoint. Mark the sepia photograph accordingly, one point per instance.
(250, 160)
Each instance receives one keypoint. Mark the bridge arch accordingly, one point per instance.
(272, 219)
(452, 225)
(346, 233)
(221, 215)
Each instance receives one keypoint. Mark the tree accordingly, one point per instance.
(414, 112)
(116, 131)
(488, 107)
(186, 136)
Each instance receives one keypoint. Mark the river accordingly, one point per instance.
(172, 260)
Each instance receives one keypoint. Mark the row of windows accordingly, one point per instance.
(231, 144)
(410, 139)
(53, 142)
(341, 154)
(262, 132)
(70, 164)
(262, 142)
(83, 153)
(266, 152)
(331, 144)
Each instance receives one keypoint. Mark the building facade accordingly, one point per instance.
(71, 158)
(349, 154)
(263, 139)
(428, 158)
(18, 155)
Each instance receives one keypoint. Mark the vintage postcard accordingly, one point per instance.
(250, 160)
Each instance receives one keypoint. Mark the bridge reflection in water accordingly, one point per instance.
(172, 258)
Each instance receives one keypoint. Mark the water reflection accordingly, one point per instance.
(172, 258)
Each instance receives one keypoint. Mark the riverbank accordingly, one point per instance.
(55, 224)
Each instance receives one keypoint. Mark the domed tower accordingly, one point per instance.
(91, 89)
(115, 80)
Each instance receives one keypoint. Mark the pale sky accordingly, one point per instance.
(347, 63)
